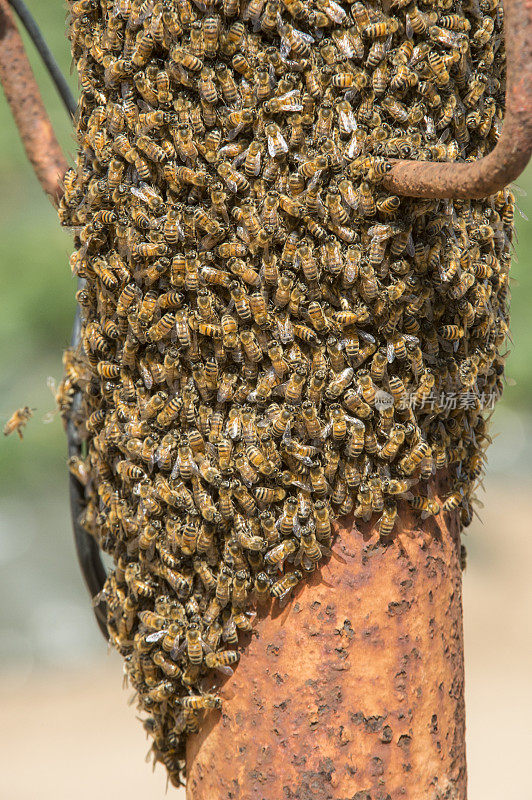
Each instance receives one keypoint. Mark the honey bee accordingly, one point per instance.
(236, 182)
(186, 59)
(281, 589)
(261, 588)
(79, 468)
(309, 168)
(222, 661)
(17, 421)
(276, 143)
(409, 463)
(211, 33)
(437, 65)
(425, 505)
(388, 519)
(205, 702)
(143, 49)
(377, 30)
(397, 390)
(367, 202)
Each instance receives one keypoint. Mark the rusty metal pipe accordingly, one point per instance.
(513, 150)
(356, 689)
(27, 107)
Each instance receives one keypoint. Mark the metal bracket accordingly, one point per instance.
(512, 152)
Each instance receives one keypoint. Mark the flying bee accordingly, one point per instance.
(17, 421)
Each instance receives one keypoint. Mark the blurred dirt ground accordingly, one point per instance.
(67, 735)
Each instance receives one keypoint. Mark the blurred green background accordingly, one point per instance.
(50, 648)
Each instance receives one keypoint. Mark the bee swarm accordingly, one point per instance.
(269, 339)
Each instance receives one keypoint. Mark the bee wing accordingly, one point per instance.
(175, 470)
(101, 597)
(347, 120)
(345, 46)
(380, 233)
(177, 650)
(286, 330)
(139, 194)
(287, 435)
(154, 24)
(324, 434)
(335, 12)
(355, 146)
(146, 376)
(279, 143)
(285, 47)
(148, 11)
(224, 670)
(284, 598)
(233, 134)
(288, 95)
(306, 487)
(240, 158)
(155, 637)
(305, 36)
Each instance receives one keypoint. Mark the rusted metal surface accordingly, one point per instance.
(513, 150)
(354, 691)
(28, 109)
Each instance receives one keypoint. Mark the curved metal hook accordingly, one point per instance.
(28, 109)
(87, 550)
(46, 54)
(512, 152)
(49, 165)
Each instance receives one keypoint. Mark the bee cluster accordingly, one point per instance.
(269, 338)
